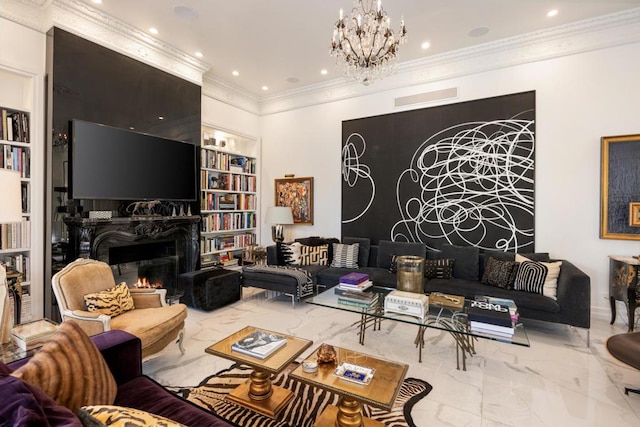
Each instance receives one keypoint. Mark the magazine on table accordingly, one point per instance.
(259, 344)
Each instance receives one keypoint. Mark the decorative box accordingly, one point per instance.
(409, 303)
(33, 334)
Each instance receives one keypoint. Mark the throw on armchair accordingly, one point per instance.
(151, 319)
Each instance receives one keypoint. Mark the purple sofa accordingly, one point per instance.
(27, 405)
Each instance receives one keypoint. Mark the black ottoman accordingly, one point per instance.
(210, 288)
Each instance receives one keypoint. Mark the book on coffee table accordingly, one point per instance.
(259, 344)
(492, 314)
(354, 278)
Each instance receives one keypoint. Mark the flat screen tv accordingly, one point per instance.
(108, 163)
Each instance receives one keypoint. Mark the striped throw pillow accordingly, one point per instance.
(70, 369)
(345, 256)
(438, 268)
(530, 278)
(111, 302)
(550, 285)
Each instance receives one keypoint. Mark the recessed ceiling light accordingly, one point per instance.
(265, 87)
(153, 30)
(552, 13)
(324, 72)
(186, 13)
(478, 32)
(198, 54)
(425, 45)
(235, 73)
(131, 127)
(160, 118)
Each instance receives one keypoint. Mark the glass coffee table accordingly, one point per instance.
(258, 394)
(380, 390)
(445, 318)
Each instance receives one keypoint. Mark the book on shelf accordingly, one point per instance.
(491, 328)
(259, 344)
(354, 278)
(486, 312)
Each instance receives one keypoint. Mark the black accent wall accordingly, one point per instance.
(90, 82)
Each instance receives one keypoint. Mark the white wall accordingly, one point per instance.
(23, 55)
(579, 99)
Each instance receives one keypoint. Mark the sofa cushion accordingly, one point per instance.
(26, 405)
(112, 301)
(466, 263)
(314, 255)
(500, 273)
(345, 256)
(438, 268)
(511, 256)
(147, 395)
(70, 369)
(317, 241)
(387, 248)
(151, 324)
(289, 253)
(538, 277)
(364, 248)
(471, 289)
(111, 415)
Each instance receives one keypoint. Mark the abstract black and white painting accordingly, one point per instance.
(460, 174)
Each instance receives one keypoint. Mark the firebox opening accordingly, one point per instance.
(145, 265)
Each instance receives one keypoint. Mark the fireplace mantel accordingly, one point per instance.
(91, 238)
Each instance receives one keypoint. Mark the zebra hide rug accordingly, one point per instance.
(307, 404)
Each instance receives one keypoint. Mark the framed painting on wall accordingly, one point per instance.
(296, 193)
(620, 188)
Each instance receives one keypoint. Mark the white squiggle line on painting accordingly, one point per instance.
(352, 170)
(469, 182)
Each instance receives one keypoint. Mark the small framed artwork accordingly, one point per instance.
(296, 193)
(620, 188)
(634, 214)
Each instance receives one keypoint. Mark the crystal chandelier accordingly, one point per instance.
(364, 42)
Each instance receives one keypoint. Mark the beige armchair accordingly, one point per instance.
(152, 320)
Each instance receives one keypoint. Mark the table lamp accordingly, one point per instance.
(278, 216)
(10, 211)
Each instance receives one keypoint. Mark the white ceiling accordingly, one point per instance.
(270, 41)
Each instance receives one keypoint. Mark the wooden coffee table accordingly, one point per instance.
(258, 393)
(380, 392)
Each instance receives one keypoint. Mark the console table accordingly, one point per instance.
(623, 285)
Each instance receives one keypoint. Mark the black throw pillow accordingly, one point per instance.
(466, 260)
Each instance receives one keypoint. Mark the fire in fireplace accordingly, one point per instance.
(148, 265)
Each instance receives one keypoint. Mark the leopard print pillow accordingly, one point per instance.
(109, 415)
(111, 302)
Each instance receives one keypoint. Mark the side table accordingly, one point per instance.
(623, 285)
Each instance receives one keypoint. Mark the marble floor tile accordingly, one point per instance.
(558, 381)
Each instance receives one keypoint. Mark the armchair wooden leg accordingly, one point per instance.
(180, 343)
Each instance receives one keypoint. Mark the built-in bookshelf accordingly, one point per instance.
(229, 188)
(15, 238)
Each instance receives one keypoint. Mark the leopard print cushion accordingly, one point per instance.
(108, 415)
(70, 369)
(111, 302)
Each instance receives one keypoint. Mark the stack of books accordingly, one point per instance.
(509, 303)
(492, 319)
(259, 344)
(358, 299)
(356, 282)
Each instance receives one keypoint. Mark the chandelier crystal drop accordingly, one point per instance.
(364, 43)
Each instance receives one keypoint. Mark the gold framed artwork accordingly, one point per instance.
(620, 187)
(634, 214)
(296, 193)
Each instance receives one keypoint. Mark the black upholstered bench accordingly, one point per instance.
(210, 288)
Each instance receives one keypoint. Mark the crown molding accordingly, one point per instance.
(597, 33)
(223, 91)
(90, 23)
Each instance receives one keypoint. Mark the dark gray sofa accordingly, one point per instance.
(572, 307)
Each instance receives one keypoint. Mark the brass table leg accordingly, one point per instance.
(258, 394)
(348, 413)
